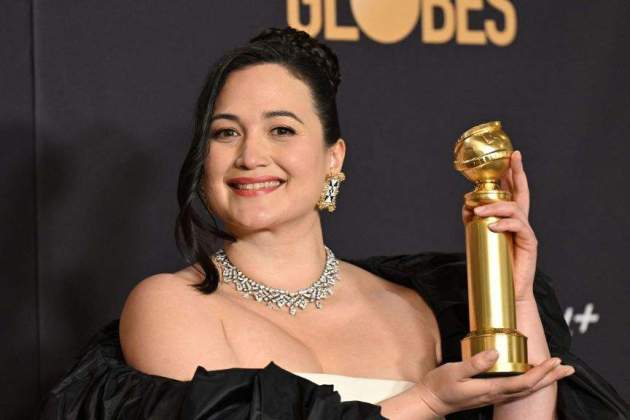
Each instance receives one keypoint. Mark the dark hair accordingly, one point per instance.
(308, 60)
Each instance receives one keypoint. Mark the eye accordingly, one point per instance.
(285, 130)
(218, 133)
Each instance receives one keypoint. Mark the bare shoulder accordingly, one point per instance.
(386, 289)
(168, 328)
(403, 303)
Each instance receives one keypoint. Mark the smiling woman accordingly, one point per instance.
(269, 136)
(356, 339)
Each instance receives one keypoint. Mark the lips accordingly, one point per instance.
(253, 180)
(249, 191)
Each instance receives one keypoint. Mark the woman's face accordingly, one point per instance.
(264, 125)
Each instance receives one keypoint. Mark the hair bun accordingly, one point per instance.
(304, 44)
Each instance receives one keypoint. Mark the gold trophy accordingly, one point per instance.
(482, 154)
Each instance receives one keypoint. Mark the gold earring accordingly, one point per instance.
(328, 198)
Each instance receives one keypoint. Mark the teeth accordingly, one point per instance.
(257, 185)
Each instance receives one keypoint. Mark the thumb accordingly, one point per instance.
(479, 363)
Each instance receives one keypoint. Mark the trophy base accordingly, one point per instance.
(511, 345)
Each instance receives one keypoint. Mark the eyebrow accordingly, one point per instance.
(267, 114)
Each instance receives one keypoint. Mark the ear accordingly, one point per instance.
(337, 153)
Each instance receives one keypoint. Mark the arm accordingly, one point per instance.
(514, 217)
(160, 330)
(542, 403)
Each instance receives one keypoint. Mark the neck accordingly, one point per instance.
(290, 257)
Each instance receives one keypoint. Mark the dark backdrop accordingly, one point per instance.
(96, 116)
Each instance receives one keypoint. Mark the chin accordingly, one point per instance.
(252, 220)
(259, 221)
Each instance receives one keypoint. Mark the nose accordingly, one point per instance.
(253, 152)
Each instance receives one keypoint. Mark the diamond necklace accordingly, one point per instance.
(318, 291)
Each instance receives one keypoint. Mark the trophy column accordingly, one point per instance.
(482, 155)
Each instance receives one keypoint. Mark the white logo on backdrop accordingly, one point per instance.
(583, 319)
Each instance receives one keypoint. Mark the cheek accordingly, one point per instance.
(306, 176)
(218, 159)
(217, 165)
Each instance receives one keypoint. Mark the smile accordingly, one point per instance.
(255, 189)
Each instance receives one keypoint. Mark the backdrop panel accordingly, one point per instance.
(115, 87)
(19, 357)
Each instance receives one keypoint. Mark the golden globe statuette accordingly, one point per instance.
(482, 155)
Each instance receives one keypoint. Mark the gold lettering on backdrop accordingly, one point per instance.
(384, 23)
(509, 17)
(332, 31)
(391, 21)
(465, 35)
(431, 34)
(314, 26)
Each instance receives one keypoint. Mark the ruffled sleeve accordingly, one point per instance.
(441, 279)
(101, 385)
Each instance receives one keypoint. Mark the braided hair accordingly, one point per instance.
(302, 43)
(196, 229)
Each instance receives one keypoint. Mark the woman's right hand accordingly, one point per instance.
(449, 388)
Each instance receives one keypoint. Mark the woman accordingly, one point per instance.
(267, 156)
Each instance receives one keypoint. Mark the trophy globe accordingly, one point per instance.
(483, 154)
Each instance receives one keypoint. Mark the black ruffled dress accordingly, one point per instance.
(101, 385)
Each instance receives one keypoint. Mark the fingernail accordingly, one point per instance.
(557, 361)
(569, 371)
(479, 210)
(491, 355)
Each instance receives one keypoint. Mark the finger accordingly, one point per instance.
(519, 181)
(493, 390)
(557, 373)
(508, 224)
(479, 363)
(529, 379)
(507, 184)
(503, 209)
(522, 231)
(498, 390)
(507, 181)
(560, 372)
